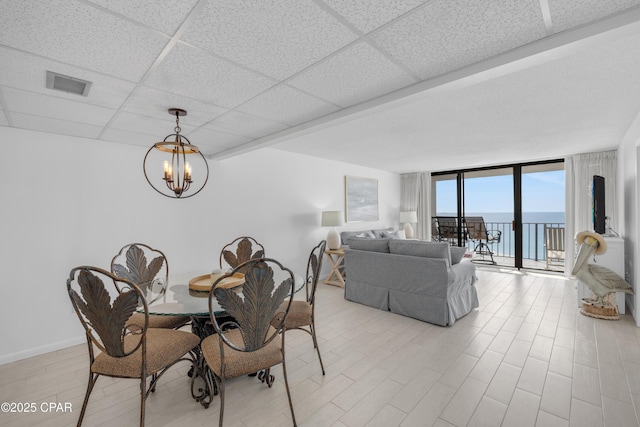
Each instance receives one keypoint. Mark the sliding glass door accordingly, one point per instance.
(503, 215)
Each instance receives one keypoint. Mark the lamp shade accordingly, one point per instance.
(331, 218)
(408, 217)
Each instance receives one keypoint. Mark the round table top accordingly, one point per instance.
(179, 300)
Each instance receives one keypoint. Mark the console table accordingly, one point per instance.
(336, 277)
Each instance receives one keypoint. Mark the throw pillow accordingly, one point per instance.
(457, 253)
(367, 234)
(394, 234)
(378, 233)
(372, 245)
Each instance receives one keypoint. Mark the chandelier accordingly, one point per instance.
(167, 165)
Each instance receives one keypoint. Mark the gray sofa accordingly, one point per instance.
(425, 280)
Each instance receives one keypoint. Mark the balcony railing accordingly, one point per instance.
(533, 238)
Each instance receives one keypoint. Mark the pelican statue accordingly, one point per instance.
(602, 281)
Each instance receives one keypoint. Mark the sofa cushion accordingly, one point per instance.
(372, 245)
(421, 249)
(457, 253)
(394, 234)
(378, 233)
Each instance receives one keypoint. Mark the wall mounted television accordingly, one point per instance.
(598, 208)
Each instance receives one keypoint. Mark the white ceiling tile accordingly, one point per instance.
(163, 15)
(286, 104)
(246, 124)
(26, 71)
(82, 35)
(128, 137)
(160, 127)
(191, 72)
(275, 37)
(554, 109)
(21, 101)
(446, 35)
(367, 15)
(356, 74)
(211, 141)
(566, 14)
(62, 127)
(155, 103)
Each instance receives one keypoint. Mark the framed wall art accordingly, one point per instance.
(361, 199)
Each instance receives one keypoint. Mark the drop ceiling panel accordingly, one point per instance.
(276, 37)
(246, 124)
(155, 103)
(26, 71)
(367, 15)
(446, 35)
(286, 104)
(162, 15)
(194, 73)
(211, 141)
(248, 70)
(32, 103)
(160, 127)
(356, 74)
(131, 138)
(81, 35)
(580, 103)
(62, 127)
(566, 14)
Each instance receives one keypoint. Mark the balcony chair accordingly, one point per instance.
(152, 278)
(554, 246)
(447, 229)
(240, 251)
(482, 238)
(302, 313)
(249, 342)
(127, 349)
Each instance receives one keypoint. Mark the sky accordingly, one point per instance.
(541, 192)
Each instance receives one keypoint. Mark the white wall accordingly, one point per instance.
(628, 160)
(73, 201)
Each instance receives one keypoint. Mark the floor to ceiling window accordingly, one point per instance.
(504, 215)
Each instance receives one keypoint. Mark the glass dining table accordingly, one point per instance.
(178, 299)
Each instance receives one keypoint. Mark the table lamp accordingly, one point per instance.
(332, 219)
(408, 218)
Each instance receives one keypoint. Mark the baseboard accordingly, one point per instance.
(12, 357)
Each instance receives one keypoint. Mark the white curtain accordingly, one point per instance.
(416, 196)
(579, 171)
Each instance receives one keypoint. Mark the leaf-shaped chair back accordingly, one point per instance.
(266, 285)
(143, 265)
(106, 323)
(240, 251)
(314, 265)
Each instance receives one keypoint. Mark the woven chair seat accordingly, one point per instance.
(157, 321)
(164, 346)
(239, 363)
(299, 314)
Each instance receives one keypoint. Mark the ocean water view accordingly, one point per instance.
(533, 231)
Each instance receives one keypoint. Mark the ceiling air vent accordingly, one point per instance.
(67, 84)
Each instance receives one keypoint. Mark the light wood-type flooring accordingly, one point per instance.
(526, 357)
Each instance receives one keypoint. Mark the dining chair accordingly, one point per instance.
(302, 313)
(249, 341)
(240, 251)
(126, 349)
(151, 276)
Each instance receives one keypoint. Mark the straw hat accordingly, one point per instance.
(602, 244)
